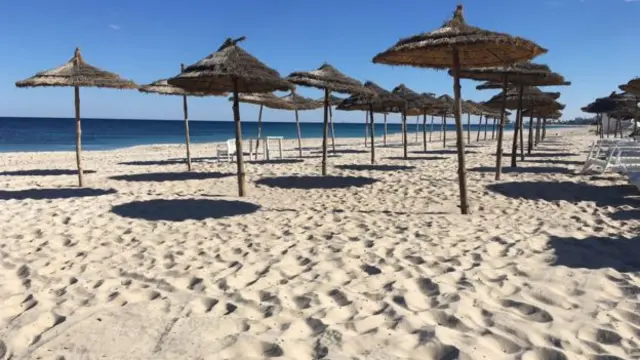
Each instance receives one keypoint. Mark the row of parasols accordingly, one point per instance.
(498, 59)
(619, 106)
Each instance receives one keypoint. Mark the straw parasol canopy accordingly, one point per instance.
(490, 85)
(329, 79)
(163, 87)
(633, 87)
(376, 100)
(525, 72)
(231, 69)
(265, 99)
(77, 73)
(532, 97)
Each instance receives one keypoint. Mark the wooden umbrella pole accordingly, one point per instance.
(522, 135)
(239, 153)
(516, 130)
(404, 133)
(469, 127)
(505, 84)
(372, 131)
(462, 175)
(431, 127)
(366, 128)
(544, 129)
(385, 130)
(186, 131)
(444, 131)
(333, 130)
(424, 131)
(486, 124)
(493, 129)
(417, 126)
(324, 132)
(479, 128)
(299, 134)
(537, 136)
(78, 138)
(259, 134)
(530, 139)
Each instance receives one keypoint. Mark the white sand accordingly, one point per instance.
(388, 270)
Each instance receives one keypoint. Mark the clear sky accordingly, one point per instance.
(593, 43)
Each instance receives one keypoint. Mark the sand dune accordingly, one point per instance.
(373, 262)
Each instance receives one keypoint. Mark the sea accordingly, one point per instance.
(58, 134)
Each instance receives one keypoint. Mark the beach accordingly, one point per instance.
(150, 261)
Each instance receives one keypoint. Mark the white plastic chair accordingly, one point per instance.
(228, 150)
(623, 157)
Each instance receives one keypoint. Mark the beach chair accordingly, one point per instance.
(634, 179)
(600, 147)
(226, 150)
(623, 157)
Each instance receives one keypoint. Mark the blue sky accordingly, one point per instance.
(592, 42)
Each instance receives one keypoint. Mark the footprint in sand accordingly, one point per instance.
(530, 312)
(544, 354)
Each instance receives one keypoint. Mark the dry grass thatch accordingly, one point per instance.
(618, 105)
(545, 111)
(532, 98)
(492, 85)
(477, 47)
(299, 102)
(162, 87)
(333, 100)
(632, 87)
(328, 77)
(381, 100)
(265, 99)
(416, 103)
(217, 72)
(78, 73)
(525, 73)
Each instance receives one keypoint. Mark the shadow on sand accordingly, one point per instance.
(507, 156)
(366, 167)
(595, 253)
(275, 161)
(152, 162)
(44, 172)
(171, 176)
(524, 170)
(615, 195)
(443, 152)
(316, 182)
(343, 151)
(51, 194)
(417, 158)
(555, 162)
(183, 209)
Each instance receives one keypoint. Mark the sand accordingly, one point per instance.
(152, 262)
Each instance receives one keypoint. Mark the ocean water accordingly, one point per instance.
(58, 134)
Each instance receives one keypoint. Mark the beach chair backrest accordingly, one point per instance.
(231, 146)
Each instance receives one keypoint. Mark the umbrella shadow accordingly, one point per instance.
(543, 155)
(365, 167)
(416, 158)
(524, 170)
(615, 195)
(556, 162)
(595, 253)
(275, 161)
(52, 194)
(183, 209)
(444, 152)
(343, 151)
(152, 162)
(171, 176)
(316, 182)
(44, 172)
(628, 215)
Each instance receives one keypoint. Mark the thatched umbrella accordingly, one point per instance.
(377, 100)
(300, 103)
(231, 68)
(448, 108)
(329, 79)
(162, 87)
(521, 98)
(472, 109)
(633, 88)
(76, 73)
(543, 113)
(262, 99)
(454, 46)
(519, 74)
(416, 104)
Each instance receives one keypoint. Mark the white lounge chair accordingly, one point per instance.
(623, 157)
(600, 148)
(226, 150)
